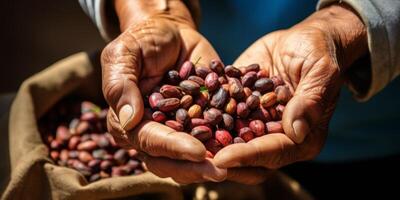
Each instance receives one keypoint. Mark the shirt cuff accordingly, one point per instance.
(103, 16)
(379, 49)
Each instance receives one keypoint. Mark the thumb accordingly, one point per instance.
(313, 101)
(120, 71)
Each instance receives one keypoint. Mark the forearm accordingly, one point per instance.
(132, 12)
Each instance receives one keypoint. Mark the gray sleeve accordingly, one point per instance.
(100, 14)
(382, 18)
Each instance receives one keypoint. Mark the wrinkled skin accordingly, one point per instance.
(132, 65)
(306, 57)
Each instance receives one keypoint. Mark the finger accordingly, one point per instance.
(158, 140)
(271, 151)
(196, 49)
(189, 172)
(120, 70)
(313, 102)
(248, 175)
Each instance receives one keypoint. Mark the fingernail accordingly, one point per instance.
(301, 129)
(125, 114)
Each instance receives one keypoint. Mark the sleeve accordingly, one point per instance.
(382, 19)
(103, 16)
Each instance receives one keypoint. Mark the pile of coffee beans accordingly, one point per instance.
(77, 137)
(220, 105)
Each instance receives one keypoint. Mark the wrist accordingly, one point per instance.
(131, 12)
(347, 31)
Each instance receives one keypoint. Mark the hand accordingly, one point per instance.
(311, 57)
(154, 40)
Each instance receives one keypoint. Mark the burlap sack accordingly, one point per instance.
(34, 175)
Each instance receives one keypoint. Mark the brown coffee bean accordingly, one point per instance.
(211, 81)
(170, 91)
(264, 85)
(105, 165)
(274, 127)
(186, 70)
(202, 99)
(117, 171)
(213, 145)
(240, 123)
(186, 101)
(247, 92)
(73, 124)
(230, 107)
(219, 99)
(195, 111)
(238, 140)
(256, 93)
(64, 155)
(73, 154)
(99, 154)
(198, 122)
(217, 66)
(202, 71)
(159, 117)
(263, 73)
(133, 164)
(104, 174)
(277, 81)
(272, 112)
(197, 79)
(174, 125)
(236, 89)
(252, 67)
(258, 127)
(94, 177)
(182, 116)
(223, 137)
(190, 87)
(172, 77)
(202, 133)
(228, 121)
(261, 114)
(246, 134)
(222, 80)
(154, 98)
(89, 116)
(283, 94)
(253, 102)
(268, 99)
(242, 110)
(85, 156)
(62, 134)
(54, 155)
(82, 127)
(249, 79)
(168, 105)
(73, 142)
(213, 116)
(121, 156)
(232, 71)
(102, 142)
(82, 168)
(87, 145)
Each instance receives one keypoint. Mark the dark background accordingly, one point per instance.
(35, 34)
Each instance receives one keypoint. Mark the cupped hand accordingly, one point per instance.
(132, 65)
(311, 57)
